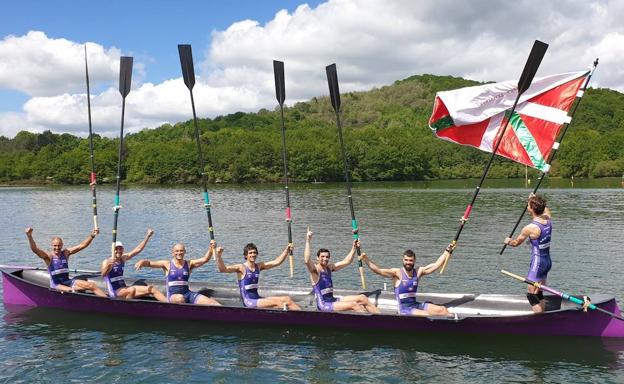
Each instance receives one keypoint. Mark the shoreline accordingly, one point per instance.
(607, 182)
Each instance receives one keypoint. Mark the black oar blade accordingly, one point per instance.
(332, 81)
(186, 60)
(530, 68)
(125, 75)
(280, 88)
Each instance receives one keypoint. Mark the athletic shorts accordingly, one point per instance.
(326, 305)
(406, 309)
(190, 297)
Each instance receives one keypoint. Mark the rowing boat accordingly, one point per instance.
(475, 313)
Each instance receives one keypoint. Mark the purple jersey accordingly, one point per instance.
(405, 293)
(59, 270)
(177, 279)
(114, 278)
(540, 253)
(324, 291)
(248, 286)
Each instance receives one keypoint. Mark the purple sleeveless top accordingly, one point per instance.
(540, 253)
(248, 285)
(114, 278)
(59, 270)
(405, 293)
(324, 287)
(177, 279)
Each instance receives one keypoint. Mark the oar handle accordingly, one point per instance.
(362, 279)
(450, 250)
(291, 260)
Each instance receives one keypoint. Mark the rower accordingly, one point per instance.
(320, 275)
(539, 233)
(113, 269)
(248, 275)
(57, 263)
(405, 281)
(178, 271)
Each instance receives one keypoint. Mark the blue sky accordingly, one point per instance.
(373, 43)
(146, 29)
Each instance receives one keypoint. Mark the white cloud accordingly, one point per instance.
(373, 42)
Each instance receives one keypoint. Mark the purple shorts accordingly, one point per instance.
(326, 305)
(406, 309)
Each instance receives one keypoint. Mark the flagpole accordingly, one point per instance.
(556, 145)
(530, 68)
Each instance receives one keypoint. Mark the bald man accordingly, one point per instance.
(57, 263)
(178, 271)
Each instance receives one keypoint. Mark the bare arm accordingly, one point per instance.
(207, 256)
(85, 243)
(306, 254)
(524, 234)
(106, 267)
(428, 269)
(162, 264)
(139, 248)
(33, 246)
(385, 272)
(348, 259)
(227, 268)
(278, 260)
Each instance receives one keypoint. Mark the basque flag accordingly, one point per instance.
(475, 116)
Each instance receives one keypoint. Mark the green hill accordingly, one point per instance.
(386, 135)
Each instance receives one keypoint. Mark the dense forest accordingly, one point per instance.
(385, 130)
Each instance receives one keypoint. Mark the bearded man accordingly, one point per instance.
(405, 282)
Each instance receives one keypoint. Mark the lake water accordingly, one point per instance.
(50, 346)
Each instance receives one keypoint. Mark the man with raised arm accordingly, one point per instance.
(248, 275)
(538, 232)
(57, 263)
(113, 269)
(177, 273)
(405, 281)
(320, 275)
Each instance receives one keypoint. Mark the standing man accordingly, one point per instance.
(248, 275)
(113, 269)
(57, 263)
(178, 271)
(538, 232)
(320, 275)
(405, 281)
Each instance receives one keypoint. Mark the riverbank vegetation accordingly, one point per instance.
(386, 135)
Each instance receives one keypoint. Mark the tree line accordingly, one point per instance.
(385, 132)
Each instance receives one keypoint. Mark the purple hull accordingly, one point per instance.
(564, 322)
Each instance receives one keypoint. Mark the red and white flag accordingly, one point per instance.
(475, 116)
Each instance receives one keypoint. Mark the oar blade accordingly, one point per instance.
(125, 75)
(530, 68)
(186, 61)
(280, 88)
(332, 81)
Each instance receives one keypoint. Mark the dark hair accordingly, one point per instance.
(537, 204)
(321, 250)
(409, 253)
(248, 248)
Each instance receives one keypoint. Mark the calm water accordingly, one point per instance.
(49, 346)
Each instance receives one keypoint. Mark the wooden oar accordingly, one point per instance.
(528, 73)
(280, 94)
(564, 296)
(334, 95)
(125, 83)
(92, 178)
(554, 152)
(188, 73)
